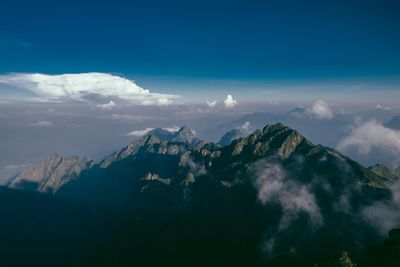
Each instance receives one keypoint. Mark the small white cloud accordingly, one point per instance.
(369, 136)
(379, 106)
(211, 104)
(230, 102)
(320, 110)
(139, 133)
(17, 167)
(164, 101)
(107, 106)
(245, 126)
(78, 86)
(42, 124)
(173, 129)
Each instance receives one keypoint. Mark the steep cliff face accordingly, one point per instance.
(52, 174)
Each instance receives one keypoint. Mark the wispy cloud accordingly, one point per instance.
(132, 118)
(379, 106)
(145, 131)
(384, 215)
(274, 186)
(41, 124)
(139, 133)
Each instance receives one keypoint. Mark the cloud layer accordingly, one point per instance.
(79, 86)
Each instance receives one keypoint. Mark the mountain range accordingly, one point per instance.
(169, 198)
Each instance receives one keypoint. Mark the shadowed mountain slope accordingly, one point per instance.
(253, 202)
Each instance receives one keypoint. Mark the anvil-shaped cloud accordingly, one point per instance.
(79, 86)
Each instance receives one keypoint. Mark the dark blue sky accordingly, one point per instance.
(248, 40)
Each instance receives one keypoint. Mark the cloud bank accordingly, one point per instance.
(79, 86)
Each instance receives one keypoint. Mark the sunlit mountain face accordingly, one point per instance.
(200, 133)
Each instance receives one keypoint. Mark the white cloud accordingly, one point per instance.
(320, 110)
(139, 133)
(164, 101)
(211, 104)
(78, 86)
(107, 106)
(230, 102)
(42, 124)
(369, 136)
(173, 129)
(245, 126)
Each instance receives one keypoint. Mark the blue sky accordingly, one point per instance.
(173, 45)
